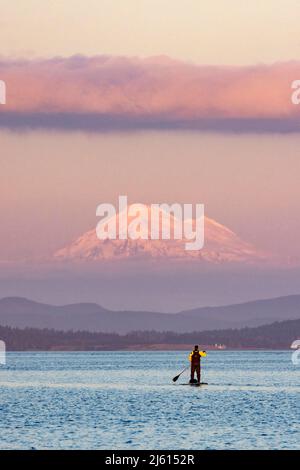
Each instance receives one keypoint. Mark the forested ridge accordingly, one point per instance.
(274, 336)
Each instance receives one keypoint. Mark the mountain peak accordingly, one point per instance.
(221, 245)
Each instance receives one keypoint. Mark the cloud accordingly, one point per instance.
(104, 92)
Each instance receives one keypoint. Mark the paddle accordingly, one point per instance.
(177, 376)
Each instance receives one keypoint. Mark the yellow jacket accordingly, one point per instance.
(202, 354)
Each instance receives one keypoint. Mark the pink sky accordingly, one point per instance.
(51, 183)
(97, 107)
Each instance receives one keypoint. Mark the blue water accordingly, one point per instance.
(126, 400)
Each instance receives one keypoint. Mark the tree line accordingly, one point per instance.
(275, 336)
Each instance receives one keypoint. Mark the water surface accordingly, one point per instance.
(127, 400)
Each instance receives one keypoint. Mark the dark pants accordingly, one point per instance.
(195, 368)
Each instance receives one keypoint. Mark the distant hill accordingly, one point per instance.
(278, 335)
(21, 313)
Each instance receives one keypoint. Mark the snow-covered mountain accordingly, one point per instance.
(220, 245)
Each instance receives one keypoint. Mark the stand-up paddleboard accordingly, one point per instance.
(195, 384)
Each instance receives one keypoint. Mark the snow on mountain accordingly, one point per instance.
(220, 245)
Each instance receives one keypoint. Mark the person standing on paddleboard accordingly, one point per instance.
(195, 358)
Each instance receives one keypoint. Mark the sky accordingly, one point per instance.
(51, 183)
(165, 101)
(206, 32)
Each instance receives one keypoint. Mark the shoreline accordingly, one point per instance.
(142, 348)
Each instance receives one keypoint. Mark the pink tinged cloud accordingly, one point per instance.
(154, 91)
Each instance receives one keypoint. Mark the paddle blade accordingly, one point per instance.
(177, 376)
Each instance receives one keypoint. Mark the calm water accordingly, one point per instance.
(125, 400)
